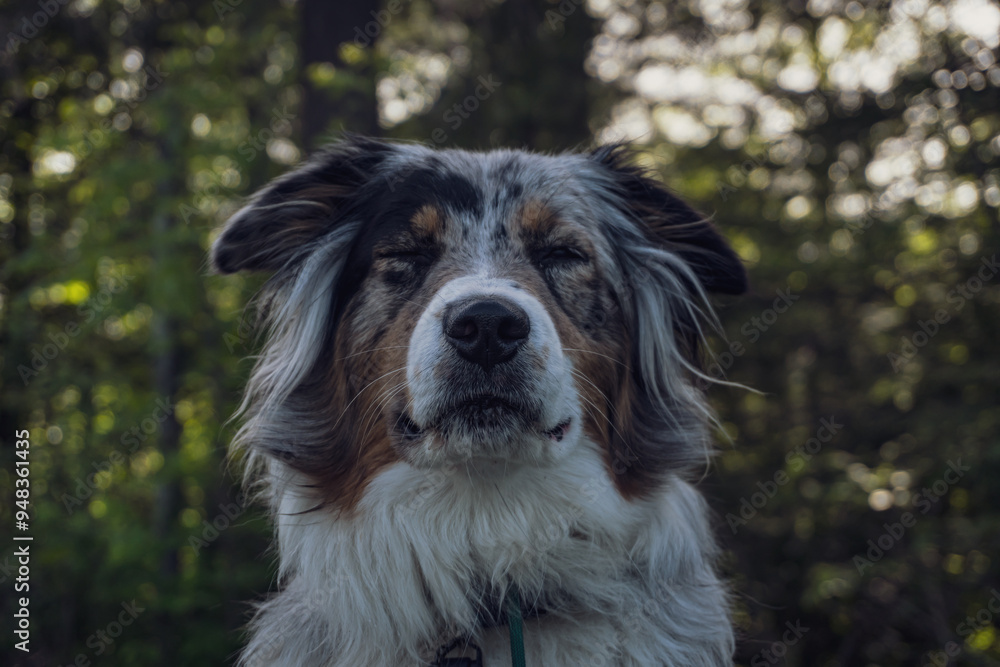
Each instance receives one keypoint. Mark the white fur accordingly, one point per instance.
(390, 584)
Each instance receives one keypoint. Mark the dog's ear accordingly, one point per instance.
(663, 245)
(669, 222)
(281, 221)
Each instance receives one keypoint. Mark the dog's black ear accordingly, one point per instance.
(669, 222)
(280, 221)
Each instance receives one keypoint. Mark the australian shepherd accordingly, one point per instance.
(479, 395)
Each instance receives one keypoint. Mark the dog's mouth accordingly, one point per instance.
(559, 432)
(407, 428)
(485, 412)
(484, 415)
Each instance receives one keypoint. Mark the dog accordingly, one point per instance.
(480, 391)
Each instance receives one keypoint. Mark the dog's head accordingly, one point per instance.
(449, 307)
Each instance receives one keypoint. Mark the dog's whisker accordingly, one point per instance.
(373, 349)
(371, 413)
(361, 391)
(611, 407)
(369, 421)
(595, 352)
(583, 376)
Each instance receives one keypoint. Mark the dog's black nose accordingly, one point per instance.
(486, 332)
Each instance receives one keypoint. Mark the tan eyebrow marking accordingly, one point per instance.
(428, 221)
(536, 218)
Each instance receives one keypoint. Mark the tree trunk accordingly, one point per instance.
(325, 27)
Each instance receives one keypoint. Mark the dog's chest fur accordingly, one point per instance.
(620, 583)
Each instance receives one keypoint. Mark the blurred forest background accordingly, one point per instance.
(849, 150)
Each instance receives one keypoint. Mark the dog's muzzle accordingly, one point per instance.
(486, 377)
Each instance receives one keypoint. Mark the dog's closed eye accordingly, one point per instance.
(560, 255)
(410, 255)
